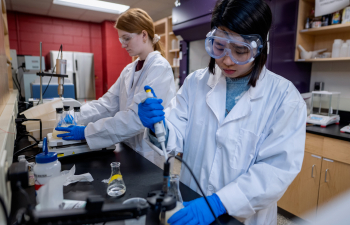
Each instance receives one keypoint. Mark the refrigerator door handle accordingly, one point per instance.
(76, 65)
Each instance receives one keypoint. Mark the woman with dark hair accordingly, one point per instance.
(241, 128)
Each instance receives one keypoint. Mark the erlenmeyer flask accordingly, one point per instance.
(174, 189)
(116, 185)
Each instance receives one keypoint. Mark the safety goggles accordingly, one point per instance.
(242, 49)
(126, 38)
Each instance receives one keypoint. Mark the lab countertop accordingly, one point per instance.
(331, 131)
(140, 177)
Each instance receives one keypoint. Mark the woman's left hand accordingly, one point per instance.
(198, 212)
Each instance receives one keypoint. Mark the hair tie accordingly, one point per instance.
(156, 38)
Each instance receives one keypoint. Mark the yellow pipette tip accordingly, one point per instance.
(148, 90)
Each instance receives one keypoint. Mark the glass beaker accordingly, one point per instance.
(116, 185)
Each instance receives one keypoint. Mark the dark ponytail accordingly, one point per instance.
(244, 17)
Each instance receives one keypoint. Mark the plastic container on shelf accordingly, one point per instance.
(35, 125)
(40, 111)
(336, 48)
(344, 50)
(174, 44)
(348, 42)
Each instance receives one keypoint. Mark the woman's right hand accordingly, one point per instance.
(151, 112)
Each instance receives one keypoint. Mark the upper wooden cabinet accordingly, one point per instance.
(318, 38)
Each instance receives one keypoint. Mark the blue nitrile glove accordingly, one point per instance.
(151, 111)
(75, 132)
(198, 212)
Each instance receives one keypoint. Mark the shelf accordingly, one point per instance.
(325, 60)
(174, 50)
(331, 29)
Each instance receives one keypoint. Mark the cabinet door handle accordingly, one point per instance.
(312, 171)
(325, 176)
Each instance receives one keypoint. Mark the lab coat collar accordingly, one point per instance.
(216, 97)
(131, 70)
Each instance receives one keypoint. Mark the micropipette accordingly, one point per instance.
(159, 129)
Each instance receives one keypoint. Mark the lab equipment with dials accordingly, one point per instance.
(324, 108)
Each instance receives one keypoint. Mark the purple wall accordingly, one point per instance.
(282, 44)
(192, 21)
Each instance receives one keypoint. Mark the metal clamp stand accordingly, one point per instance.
(41, 79)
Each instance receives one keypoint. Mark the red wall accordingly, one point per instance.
(115, 58)
(27, 30)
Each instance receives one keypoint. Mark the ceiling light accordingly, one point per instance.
(94, 5)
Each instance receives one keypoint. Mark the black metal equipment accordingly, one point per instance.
(162, 201)
(94, 212)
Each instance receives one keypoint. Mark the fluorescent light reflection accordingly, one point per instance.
(94, 5)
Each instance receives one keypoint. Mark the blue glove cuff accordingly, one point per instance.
(221, 208)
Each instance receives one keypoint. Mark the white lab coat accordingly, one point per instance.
(113, 118)
(248, 158)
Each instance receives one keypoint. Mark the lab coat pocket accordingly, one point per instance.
(243, 154)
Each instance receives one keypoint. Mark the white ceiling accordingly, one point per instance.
(157, 9)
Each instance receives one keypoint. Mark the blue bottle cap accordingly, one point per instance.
(46, 157)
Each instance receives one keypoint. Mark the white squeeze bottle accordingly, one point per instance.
(47, 166)
(336, 48)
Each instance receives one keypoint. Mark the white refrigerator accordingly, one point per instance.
(82, 65)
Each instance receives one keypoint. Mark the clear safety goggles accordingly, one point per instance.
(242, 49)
(126, 38)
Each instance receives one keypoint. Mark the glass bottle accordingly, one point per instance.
(68, 118)
(175, 190)
(59, 123)
(59, 119)
(77, 117)
(116, 185)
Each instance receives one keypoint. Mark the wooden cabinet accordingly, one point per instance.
(302, 195)
(335, 179)
(324, 175)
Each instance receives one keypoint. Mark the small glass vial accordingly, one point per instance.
(77, 117)
(31, 173)
(116, 186)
